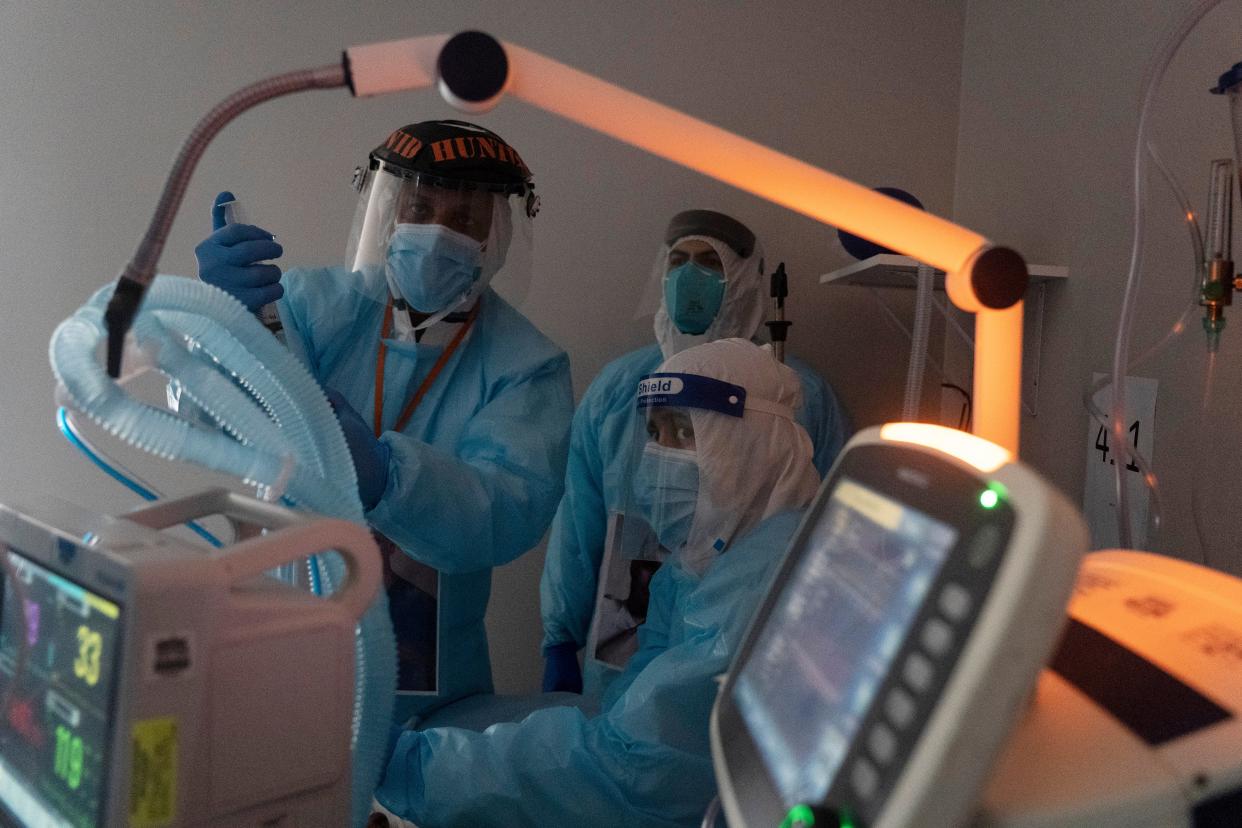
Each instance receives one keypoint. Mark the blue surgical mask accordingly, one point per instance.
(432, 265)
(666, 491)
(692, 296)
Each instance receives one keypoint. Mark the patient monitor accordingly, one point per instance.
(892, 675)
(148, 680)
(900, 639)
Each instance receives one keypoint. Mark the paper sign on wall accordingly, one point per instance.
(1100, 494)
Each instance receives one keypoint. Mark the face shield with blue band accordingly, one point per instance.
(664, 490)
(664, 479)
(707, 459)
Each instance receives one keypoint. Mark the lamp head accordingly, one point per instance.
(473, 71)
(994, 278)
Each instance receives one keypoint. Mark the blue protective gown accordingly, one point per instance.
(644, 761)
(602, 428)
(475, 476)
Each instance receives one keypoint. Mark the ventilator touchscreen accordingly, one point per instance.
(841, 619)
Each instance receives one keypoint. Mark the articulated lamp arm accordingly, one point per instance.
(473, 71)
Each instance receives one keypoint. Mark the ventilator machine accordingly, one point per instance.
(893, 675)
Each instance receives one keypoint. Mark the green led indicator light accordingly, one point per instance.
(803, 816)
(799, 816)
(992, 495)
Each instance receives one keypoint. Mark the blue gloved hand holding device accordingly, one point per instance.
(234, 258)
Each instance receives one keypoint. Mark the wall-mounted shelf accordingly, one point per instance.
(889, 270)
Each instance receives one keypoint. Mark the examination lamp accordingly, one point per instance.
(473, 71)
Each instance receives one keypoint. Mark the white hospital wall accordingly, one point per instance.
(98, 96)
(1049, 111)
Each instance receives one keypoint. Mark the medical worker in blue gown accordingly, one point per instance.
(721, 473)
(714, 281)
(455, 408)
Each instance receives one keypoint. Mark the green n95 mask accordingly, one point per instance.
(692, 296)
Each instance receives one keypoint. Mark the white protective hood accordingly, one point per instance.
(751, 467)
(741, 312)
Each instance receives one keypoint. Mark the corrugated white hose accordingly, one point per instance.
(918, 343)
(896, 322)
(269, 409)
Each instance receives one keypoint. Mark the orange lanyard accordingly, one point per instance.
(431, 377)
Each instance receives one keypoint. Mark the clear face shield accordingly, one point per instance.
(665, 496)
(664, 503)
(433, 245)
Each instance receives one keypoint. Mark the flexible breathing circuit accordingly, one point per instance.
(276, 431)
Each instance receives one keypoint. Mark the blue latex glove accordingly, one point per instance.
(561, 673)
(229, 259)
(369, 454)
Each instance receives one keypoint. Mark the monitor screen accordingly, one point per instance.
(55, 734)
(833, 632)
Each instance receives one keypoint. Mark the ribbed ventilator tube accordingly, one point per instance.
(276, 429)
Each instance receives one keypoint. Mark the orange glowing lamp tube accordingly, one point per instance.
(749, 166)
(735, 160)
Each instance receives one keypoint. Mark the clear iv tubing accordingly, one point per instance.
(1205, 549)
(1196, 241)
(1147, 475)
(1129, 304)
